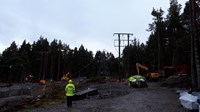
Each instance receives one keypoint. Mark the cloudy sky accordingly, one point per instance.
(75, 22)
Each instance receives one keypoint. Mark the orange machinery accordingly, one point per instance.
(66, 77)
(152, 75)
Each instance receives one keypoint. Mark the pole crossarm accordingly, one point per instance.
(119, 40)
(123, 34)
(123, 42)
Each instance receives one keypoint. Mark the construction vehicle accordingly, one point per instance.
(180, 70)
(66, 77)
(148, 75)
(42, 82)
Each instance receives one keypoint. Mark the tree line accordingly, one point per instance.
(169, 43)
(46, 60)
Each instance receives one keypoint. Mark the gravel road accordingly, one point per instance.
(151, 99)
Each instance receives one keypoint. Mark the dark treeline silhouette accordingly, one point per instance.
(45, 60)
(169, 43)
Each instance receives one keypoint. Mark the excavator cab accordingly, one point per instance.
(153, 76)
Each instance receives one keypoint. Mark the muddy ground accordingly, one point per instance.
(152, 99)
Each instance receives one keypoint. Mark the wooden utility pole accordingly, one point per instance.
(119, 46)
(128, 70)
(119, 61)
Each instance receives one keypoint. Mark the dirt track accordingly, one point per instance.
(151, 99)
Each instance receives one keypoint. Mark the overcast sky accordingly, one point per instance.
(75, 22)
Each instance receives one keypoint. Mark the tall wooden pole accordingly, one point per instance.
(119, 42)
(119, 46)
(128, 63)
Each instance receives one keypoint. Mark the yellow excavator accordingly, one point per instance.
(66, 77)
(150, 76)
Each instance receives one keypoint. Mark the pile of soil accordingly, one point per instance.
(177, 81)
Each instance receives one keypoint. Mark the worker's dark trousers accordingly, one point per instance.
(69, 101)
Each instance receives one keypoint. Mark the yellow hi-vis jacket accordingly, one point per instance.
(138, 77)
(130, 79)
(69, 89)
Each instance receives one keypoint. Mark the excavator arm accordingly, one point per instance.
(138, 66)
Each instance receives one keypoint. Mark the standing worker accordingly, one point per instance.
(69, 89)
(138, 78)
(130, 80)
